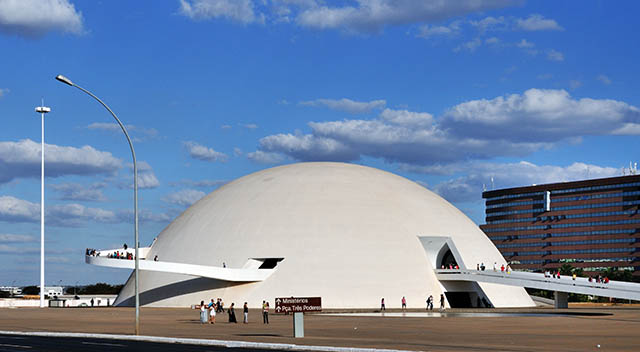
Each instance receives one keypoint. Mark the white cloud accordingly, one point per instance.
(144, 216)
(407, 118)
(137, 133)
(22, 159)
(555, 55)
(426, 31)
(242, 11)
(250, 126)
(34, 18)
(538, 115)
(374, 15)
(537, 22)
(471, 45)
(262, 157)
(72, 215)
(513, 125)
(4, 91)
(492, 41)
(490, 24)
(604, 79)
(575, 84)
(347, 105)
(18, 210)
(477, 174)
(146, 177)
(79, 192)
(525, 44)
(200, 152)
(184, 197)
(225, 127)
(10, 238)
(200, 183)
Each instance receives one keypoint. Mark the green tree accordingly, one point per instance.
(618, 275)
(568, 270)
(100, 288)
(31, 290)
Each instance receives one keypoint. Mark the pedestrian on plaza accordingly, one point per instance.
(478, 267)
(212, 315)
(265, 312)
(404, 303)
(482, 267)
(502, 268)
(92, 302)
(245, 311)
(203, 313)
(232, 314)
(494, 266)
(382, 307)
(441, 301)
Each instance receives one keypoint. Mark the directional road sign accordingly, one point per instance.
(298, 304)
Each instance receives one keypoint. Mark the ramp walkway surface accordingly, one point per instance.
(565, 284)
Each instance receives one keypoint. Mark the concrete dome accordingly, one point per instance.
(348, 233)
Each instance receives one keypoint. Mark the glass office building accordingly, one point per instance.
(591, 224)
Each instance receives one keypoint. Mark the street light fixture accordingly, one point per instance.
(65, 80)
(42, 110)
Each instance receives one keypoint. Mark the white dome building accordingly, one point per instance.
(347, 233)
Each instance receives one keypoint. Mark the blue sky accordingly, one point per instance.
(450, 94)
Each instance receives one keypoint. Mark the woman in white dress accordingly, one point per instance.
(212, 314)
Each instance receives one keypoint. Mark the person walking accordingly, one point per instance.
(441, 301)
(232, 313)
(212, 315)
(382, 304)
(245, 312)
(203, 313)
(265, 312)
(404, 303)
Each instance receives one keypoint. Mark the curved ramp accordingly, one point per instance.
(581, 285)
(251, 271)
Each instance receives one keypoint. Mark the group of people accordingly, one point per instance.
(404, 303)
(92, 252)
(599, 279)
(450, 266)
(209, 311)
(555, 274)
(120, 255)
(503, 268)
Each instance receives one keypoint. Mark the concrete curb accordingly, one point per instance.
(202, 342)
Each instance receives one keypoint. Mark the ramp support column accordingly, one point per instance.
(561, 299)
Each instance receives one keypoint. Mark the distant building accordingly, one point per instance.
(591, 224)
(53, 291)
(13, 290)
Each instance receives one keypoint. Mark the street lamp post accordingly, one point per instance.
(65, 80)
(42, 110)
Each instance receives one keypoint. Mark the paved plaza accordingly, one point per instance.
(580, 329)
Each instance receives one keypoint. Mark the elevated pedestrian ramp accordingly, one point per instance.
(562, 286)
(255, 269)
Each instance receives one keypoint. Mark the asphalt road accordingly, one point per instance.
(13, 343)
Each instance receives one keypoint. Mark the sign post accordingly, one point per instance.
(297, 306)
